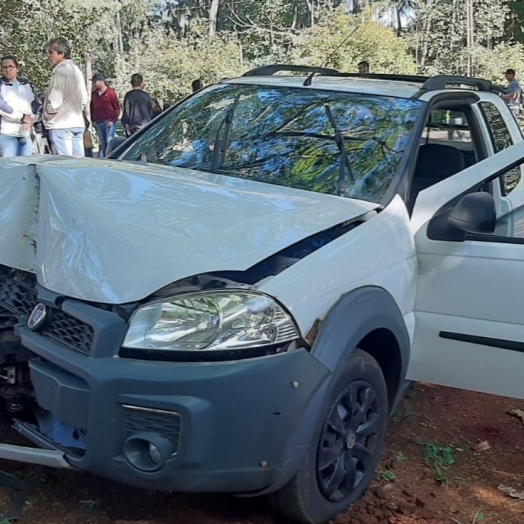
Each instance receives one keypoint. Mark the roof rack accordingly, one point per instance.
(386, 76)
(429, 83)
(442, 81)
(270, 70)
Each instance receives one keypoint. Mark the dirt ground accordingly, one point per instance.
(448, 454)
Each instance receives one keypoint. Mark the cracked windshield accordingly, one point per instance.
(330, 142)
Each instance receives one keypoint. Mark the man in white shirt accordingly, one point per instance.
(66, 100)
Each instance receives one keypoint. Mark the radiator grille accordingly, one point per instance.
(18, 298)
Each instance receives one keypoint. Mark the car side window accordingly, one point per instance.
(501, 138)
(451, 128)
(445, 126)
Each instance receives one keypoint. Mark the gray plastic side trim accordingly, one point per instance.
(42, 457)
(354, 316)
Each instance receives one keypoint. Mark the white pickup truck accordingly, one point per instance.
(233, 302)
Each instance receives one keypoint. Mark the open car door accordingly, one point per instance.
(469, 306)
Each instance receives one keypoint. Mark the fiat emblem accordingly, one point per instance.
(38, 317)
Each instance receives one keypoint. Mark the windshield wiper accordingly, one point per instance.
(220, 145)
(345, 164)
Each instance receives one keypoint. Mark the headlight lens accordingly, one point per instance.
(214, 321)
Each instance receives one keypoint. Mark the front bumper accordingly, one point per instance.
(232, 426)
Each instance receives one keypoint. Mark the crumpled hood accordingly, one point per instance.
(115, 232)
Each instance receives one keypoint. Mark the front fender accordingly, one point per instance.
(352, 318)
(356, 315)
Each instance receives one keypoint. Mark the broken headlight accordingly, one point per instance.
(211, 321)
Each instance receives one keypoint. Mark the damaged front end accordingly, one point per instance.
(27, 307)
(136, 340)
(200, 422)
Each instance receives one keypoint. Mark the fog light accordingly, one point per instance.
(147, 451)
(154, 454)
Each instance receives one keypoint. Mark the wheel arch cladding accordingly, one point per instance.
(367, 318)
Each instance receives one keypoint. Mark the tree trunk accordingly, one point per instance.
(118, 40)
(425, 33)
(213, 17)
(311, 8)
(294, 25)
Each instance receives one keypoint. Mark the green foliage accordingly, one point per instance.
(170, 64)
(91, 26)
(370, 41)
(265, 26)
(170, 46)
(515, 20)
(440, 38)
(438, 459)
(388, 475)
(35, 22)
(491, 63)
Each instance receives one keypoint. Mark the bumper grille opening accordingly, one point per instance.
(166, 424)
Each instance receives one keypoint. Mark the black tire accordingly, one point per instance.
(344, 455)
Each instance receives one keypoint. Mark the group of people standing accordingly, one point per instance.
(59, 119)
(59, 113)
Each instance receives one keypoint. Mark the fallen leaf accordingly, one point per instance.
(511, 492)
(517, 413)
(482, 446)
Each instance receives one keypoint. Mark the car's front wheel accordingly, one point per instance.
(341, 462)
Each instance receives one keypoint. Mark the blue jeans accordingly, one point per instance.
(68, 142)
(15, 146)
(105, 135)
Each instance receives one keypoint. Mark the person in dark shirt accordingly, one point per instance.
(363, 67)
(38, 127)
(156, 107)
(138, 107)
(197, 85)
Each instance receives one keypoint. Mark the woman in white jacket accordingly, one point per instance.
(15, 127)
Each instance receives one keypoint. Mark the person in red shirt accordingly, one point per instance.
(105, 112)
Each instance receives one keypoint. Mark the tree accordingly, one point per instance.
(172, 42)
(440, 34)
(357, 40)
(169, 64)
(399, 14)
(515, 21)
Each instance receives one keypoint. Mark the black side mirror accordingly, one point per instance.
(116, 142)
(474, 213)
